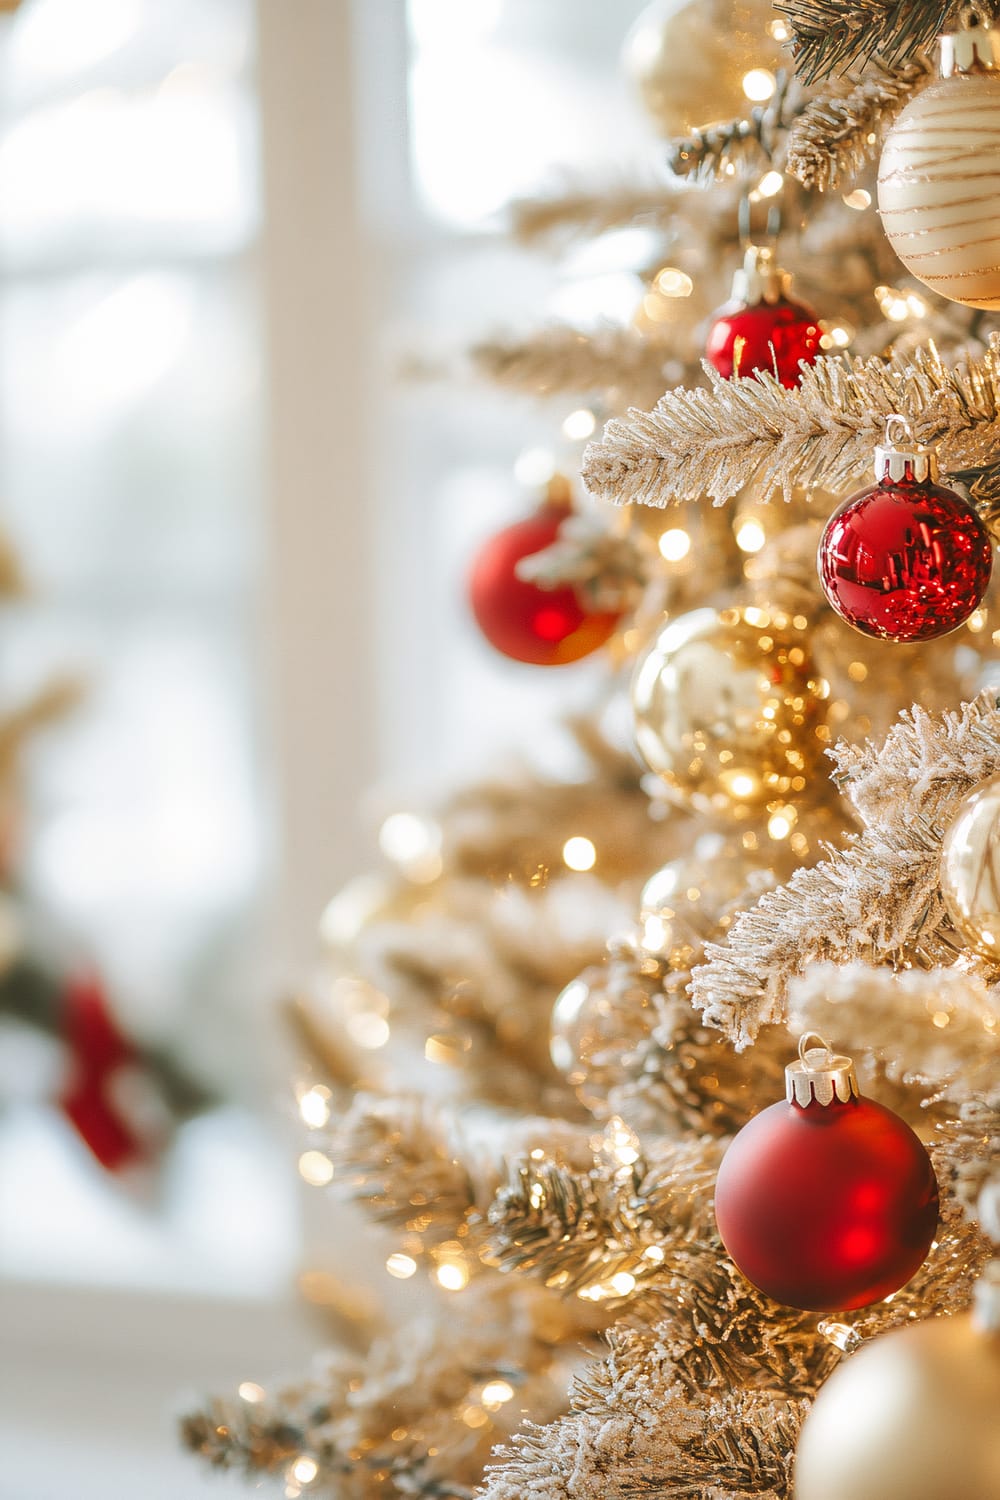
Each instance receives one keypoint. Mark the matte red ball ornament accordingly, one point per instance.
(906, 559)
(761, 327)
(826, 1201)
(544, 627)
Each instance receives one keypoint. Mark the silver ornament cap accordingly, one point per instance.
(760, 278)
(901, 457)
(819, 1075)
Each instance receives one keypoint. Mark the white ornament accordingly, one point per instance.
(939, 177)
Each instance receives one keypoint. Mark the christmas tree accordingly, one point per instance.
(676, 1081)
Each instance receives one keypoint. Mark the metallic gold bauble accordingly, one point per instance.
(598, 1016)
(912, 1416)
(937, 181)
(970, 870)
(691, 900)
(688, 60)
(730, 711)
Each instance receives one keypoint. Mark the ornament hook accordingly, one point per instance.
(898, 430)
(822, 1045)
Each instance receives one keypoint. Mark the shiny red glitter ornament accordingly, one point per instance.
(544, 627)
(761, 327)
(906, 559)
(826, 1201)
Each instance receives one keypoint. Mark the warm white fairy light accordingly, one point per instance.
(453, 1275)
(750, 535)
(496, 1392)
(315, 1168)
(414, 844)
(250, 1391)
(859, 199)
(674, 544)
(579, 424)
(314, 1106)
(759, 84)
(579, 854)
(367, 1030)
(623, 1282)
(770, 184)
(304, 1469)
(779, 30)
(672, 282)
(401, 1266)
(897, 305)
(621, 1141)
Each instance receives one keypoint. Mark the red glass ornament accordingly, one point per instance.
(772, 336)
(826, 1206)
(544, 627)
(905, 560)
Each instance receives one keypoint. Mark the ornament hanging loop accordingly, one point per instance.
(822, 1045)
(819, 1075)
(901, 458)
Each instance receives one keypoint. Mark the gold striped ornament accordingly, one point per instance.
(970, 869)
(939, 177)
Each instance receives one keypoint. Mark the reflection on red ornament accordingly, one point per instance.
(544, 627)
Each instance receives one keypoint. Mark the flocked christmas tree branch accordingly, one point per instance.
(619, 363)
(840, 128)
(748, 143)
(875, 899)
(831, 35)
(753, 430)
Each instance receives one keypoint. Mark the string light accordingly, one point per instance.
(314, 1106)
(579, 424)
(414, 844)
(453, 1275)
(859, 199)
(674, 544)
(579, 854)
(623, 1282)
(367, 1030)
(759, 84)
(750, 535)
(672, 282)
(304, 1469)
(770, 184)
(897, 305)
(496, 1392)
(250, 1391)
(401, 1266)
(315, 1168)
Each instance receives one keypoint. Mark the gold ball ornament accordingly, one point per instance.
(914, 1415)
(600, 1016)
(970, 870)
(730, 711)
(939, 175)
(688, 59)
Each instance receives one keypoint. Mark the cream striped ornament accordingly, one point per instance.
(939, 179)
(970, 870)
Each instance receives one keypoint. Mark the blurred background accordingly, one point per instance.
(232, 543)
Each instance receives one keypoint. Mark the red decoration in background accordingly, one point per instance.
(827, 1206)
(102, 1060)
(772, 336)
(544, 627)
(905, 560)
